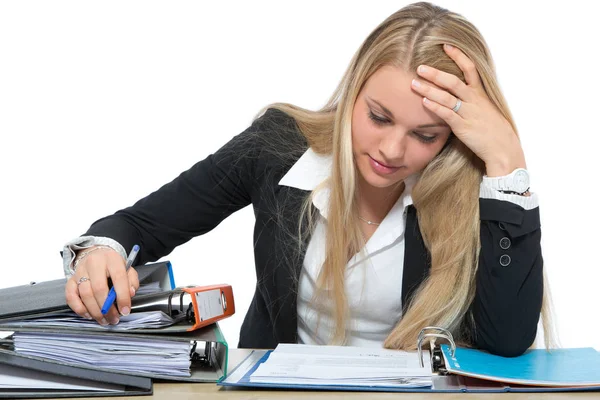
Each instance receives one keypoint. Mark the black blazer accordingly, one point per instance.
(502, 319)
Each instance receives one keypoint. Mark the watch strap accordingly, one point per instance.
(507, 183)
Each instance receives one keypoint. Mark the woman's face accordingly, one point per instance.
(408, 137)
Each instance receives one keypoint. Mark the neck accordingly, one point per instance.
(374, 203)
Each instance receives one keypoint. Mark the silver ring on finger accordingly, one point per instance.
(457, 106)
(82, 279)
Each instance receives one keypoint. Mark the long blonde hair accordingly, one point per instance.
(412, 36)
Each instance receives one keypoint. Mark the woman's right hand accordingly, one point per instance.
(86, 296)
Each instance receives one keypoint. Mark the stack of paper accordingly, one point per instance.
(135, 320)
(148, 288)
(135, 354)
(342, 366)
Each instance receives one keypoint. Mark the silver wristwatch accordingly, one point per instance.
(516, 182)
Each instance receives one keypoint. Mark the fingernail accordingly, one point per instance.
(426, 100)
(416, 83)
(103, 321)
(422, 69)
(125, 311)
(114, 320)
(132, 291)
(449, 46)
(87, 316)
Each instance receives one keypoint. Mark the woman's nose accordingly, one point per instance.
(393, 147)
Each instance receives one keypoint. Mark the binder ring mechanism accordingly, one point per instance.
(185, 311)
(432, 333)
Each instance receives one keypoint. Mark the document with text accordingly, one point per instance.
(343, 365)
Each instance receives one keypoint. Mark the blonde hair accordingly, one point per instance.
(412, 36)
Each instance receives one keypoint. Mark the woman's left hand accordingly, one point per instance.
(477, 123)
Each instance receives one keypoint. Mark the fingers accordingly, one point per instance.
(123, 284)
(115, 270)
(439, 96)
(449, 116)
(134, 281)
(73, 300)
(88, 296)
(465, 92)
(446, 81)
(441, 91)
(89, 289)
(465, 64)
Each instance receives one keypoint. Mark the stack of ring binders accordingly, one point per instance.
(183, 318)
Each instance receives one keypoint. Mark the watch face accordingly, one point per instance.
(521, 181)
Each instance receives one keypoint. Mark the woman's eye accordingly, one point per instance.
(377, 120)
(382, 121)
(426, 139)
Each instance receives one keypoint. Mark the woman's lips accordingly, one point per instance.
(381, 168)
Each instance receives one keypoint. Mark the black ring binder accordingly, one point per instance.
(201, 359)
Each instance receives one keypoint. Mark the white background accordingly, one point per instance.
(103, 102)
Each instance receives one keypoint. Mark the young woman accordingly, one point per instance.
(403, 203)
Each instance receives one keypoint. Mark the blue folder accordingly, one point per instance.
(575, 369)
(558, 367)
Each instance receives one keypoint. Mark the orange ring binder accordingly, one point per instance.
(210, 304)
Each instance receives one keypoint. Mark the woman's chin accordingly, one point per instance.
(382, 182)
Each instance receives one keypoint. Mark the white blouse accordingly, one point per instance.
(373, 282)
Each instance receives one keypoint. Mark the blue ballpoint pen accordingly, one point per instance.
(112, 295)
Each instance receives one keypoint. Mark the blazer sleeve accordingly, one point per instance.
(509, 280)
(192, 204)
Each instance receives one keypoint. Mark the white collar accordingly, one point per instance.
(309, 171)
(312, 169)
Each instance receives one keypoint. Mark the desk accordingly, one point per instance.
(196, 391)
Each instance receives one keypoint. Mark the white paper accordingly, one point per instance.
(209, 304)
(135, 320)
(5, 334)
(343, 365)
(116, 353)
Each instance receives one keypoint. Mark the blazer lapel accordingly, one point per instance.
(417, 260)
(290, 259)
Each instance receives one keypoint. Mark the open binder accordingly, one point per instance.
(190, 308)
(457, 370)
(192, 313)
(39, 299)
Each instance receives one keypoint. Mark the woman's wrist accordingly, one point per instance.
(505, 163)
(81, 244)
(82, 254)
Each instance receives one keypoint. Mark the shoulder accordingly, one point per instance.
(276, 118)
(278, 140)
(276, 124)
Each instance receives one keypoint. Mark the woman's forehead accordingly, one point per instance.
(389, 89)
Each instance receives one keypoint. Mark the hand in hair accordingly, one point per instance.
(478, 123)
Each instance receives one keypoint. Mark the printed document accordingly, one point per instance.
(343, 365)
